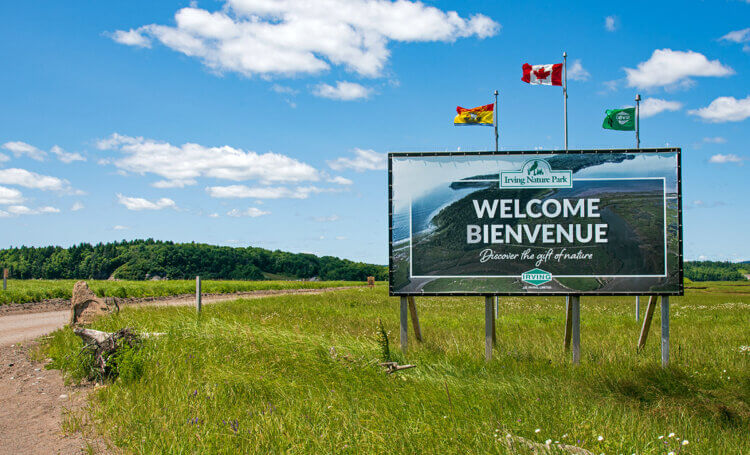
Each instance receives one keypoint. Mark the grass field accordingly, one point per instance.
(299, 374)
(24, 291)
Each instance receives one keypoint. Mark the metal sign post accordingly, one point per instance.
(198, 294)
(575, 311)
(664, 331)
(637, 146)
(489, 327)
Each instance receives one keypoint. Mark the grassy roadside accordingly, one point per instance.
(299, 374)
(24, 291)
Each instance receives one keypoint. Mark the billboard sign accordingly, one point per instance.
(589, 222)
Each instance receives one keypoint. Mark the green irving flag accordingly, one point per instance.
(620, 119)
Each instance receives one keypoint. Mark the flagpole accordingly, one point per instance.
(637, 146)
(637, 121)
(568, 307)
(565, 96)
(494, 115)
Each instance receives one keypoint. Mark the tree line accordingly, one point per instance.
(145, 259)
(716, 271)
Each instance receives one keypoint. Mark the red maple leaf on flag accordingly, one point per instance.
(541, 74)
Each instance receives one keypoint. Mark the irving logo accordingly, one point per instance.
(536, 174)
(536, 277)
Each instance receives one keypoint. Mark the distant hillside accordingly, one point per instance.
(716, 271)
(144, 259)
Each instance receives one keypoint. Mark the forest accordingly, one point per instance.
(716, 271)
(147, 259)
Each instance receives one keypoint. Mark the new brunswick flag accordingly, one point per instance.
(482, 115)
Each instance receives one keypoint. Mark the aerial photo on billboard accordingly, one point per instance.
(579, 222)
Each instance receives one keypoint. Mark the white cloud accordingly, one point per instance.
(326, 219)
(668, 68)
(577, 72)
(729, 158)
(714, 140)
(699, 204)
(739, 37)
(343, 91)
(340, 237)
(131, 38)
(22, 177)
(3, 158)
(77, 206)
(19, 148)
(213, 215)
(610, 23)
(724, 109)
(290, 37)
(611, 86)
(283, 89)
(10, 196)
(340, 180)
(252, 212)
(652, 106)
(138, 203)
(364, 160)
(23, 210)
(269, 192)
(181, 165)
(174, 183)
(120, 227)
(66, 157)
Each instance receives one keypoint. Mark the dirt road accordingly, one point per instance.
(23, 325)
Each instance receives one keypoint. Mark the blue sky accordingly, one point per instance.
(262, 123)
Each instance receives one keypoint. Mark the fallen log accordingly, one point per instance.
(97, 336)
(102, 346)
(392, 367)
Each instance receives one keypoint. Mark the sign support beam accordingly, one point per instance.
(404, 325)
(575, 309)
(647, 322)
(568, 322)
(489, 327)
(637, 308)
(664, 331)
(414, 319)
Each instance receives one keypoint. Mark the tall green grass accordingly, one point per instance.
(299, 374)
(24, 291)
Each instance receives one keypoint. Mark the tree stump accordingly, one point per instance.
(85, 306)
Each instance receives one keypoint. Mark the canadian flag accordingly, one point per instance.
(543, 74)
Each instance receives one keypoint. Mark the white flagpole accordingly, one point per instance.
(565, 96)
(568, 308)
(638, 146)
(494, 117)
(637, 121)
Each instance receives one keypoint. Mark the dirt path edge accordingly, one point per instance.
(48, 305)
